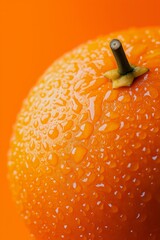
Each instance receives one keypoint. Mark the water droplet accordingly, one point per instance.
(84, 117)
(128, 152)
(142, 135)
(79, 153)
(53, 133)
(86, 131)
(153, 92)
(123, 217)
(120, 98)
(111, 96)
(80, 172)
(62, 117)
(86, 206)
(53, 159)
(126, 98)
(134, 166)
(136, 181)
(155, 130)
(136, 145)
(116, 178)
(146, 196)
(35, 123)
(69, 209)
(108, 93)
(157, 115)
(95, 195)
(42, 94)
(92, 107)
(77, 106)
(65, 169)
(27, 120)
(111, 164)
(76, 187)
(45, 118)
(68, 135)
(99, 229)
(100, 185)
(91, 178)
(141, 217)
(45, 145)
(112, 126)
(78, 220)
(113, 208)
(35, 162)
(118, 194)
(95, 107)
(67, 125)
(60, 216)
(32, 145)
(100, 204)
(82, 229)
(103, 127)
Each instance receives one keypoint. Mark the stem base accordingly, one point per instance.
(126, 80)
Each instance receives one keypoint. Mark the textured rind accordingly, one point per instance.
(84, 161)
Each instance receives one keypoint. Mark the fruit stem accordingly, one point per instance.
(120, 57)
(126, 73)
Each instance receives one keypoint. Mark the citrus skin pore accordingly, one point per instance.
(84, 160)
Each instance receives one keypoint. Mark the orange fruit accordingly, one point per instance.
(84, 161)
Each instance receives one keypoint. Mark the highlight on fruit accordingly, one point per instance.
(126, 73)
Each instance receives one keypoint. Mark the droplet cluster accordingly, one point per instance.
(84, 161)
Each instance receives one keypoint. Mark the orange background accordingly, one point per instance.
(32, 34)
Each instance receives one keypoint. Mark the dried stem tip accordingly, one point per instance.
(120, 56)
